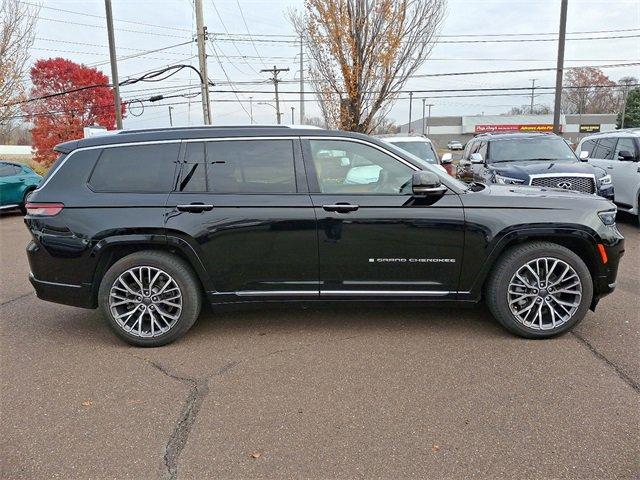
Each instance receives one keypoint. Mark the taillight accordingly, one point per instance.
(44, 209)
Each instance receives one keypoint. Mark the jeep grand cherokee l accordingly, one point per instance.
(539, 159)
(146, 225)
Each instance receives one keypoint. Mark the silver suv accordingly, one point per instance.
(618, 153)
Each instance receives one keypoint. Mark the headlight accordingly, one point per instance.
(508, 180)
(604, 181)
(608, 217)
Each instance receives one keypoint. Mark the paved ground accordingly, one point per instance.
(318, 392)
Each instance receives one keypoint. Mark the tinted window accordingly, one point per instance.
(604, 149)
(541, 148)
(193, 176)
(350, 167)
(588, 146)
(483, 150)
(138, 168)
(422, 150)
(624, 144)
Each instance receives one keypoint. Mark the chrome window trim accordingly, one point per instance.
(223, 139)
(387, 293)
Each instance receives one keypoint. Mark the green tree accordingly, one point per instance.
(631, 111)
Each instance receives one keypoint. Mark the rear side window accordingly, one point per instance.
(136, 168)
(239, 166)
(605, 148)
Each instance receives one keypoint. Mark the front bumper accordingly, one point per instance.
(606, 192)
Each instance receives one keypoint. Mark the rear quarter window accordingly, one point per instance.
(135, 169)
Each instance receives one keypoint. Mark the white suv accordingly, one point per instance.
(422, 148)
(618, 153)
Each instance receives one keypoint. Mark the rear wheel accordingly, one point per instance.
(150, 298)
(539, 290)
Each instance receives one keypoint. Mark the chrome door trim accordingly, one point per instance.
(387, 293)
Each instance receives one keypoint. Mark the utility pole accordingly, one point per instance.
(251, 109)
(293, 120)
(114, 64)
(533, 88)
(560, 66)
(424, 101)
(410, 105)
(275, 71)
(201, 34)
(301, 82)
(429, 117)
(170, 117)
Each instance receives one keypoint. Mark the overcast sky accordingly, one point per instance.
(82, 37)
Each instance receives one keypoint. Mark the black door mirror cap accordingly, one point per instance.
(427, 183)
(626, 155)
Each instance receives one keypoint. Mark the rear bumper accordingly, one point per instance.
(74, 295)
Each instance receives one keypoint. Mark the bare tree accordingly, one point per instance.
(591, 92)
(17, 32)
(538, 109)
(361, 53)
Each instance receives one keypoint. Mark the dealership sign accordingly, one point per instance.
(541, 127)
(589, 128)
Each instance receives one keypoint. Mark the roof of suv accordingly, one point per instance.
(624, 132)
(512, 136)
(182, 133)
(412, 138)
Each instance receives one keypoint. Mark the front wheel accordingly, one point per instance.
(539, 290)
(150, 298)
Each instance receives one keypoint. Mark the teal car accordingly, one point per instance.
(17, 181)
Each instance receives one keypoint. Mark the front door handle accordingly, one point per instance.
(341, 207)
(194, 207)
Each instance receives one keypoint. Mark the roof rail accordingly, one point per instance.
(199, 127)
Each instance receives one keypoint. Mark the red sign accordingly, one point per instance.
(542, 127)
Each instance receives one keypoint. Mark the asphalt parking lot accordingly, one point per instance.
(318, 391)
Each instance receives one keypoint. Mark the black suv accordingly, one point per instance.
(146, 225)
(538, 159)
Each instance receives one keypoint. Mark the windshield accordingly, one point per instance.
(422, 150)
(538, 148)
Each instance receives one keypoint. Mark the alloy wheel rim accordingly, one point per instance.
(544, 293)
(145, 301)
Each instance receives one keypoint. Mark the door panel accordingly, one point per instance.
(373, 241)
(625, 173)
(240, 205)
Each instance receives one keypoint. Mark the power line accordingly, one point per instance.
(249, 32)
(215, 53)
(141, 32)
(235, 46)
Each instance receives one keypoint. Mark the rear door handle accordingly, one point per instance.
(341, 207)
(194, 207)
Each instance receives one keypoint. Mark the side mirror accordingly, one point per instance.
(476, 158)
(626, 155)
(584, 155)
(464, 163)
(446, 158)
(425, 183)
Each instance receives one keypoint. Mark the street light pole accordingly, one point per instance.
(533, 88)
(429, 118)
(560, 66)
(251, 109)
(114, 64)
(293, 120)
(170, 117)
(424, 101)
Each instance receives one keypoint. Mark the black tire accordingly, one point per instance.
(183, 276)
(497, 285)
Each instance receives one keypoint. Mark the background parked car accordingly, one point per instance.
(617, 152)
(538, 159)
(16, 183)
(454, 145)
(422, 148)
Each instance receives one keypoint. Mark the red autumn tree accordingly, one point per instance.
(62, 117)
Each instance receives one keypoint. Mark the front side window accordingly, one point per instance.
(355, 168)
(136, 168)
(588, 146)
(7, 170)
(605, 149)
(239, 166)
